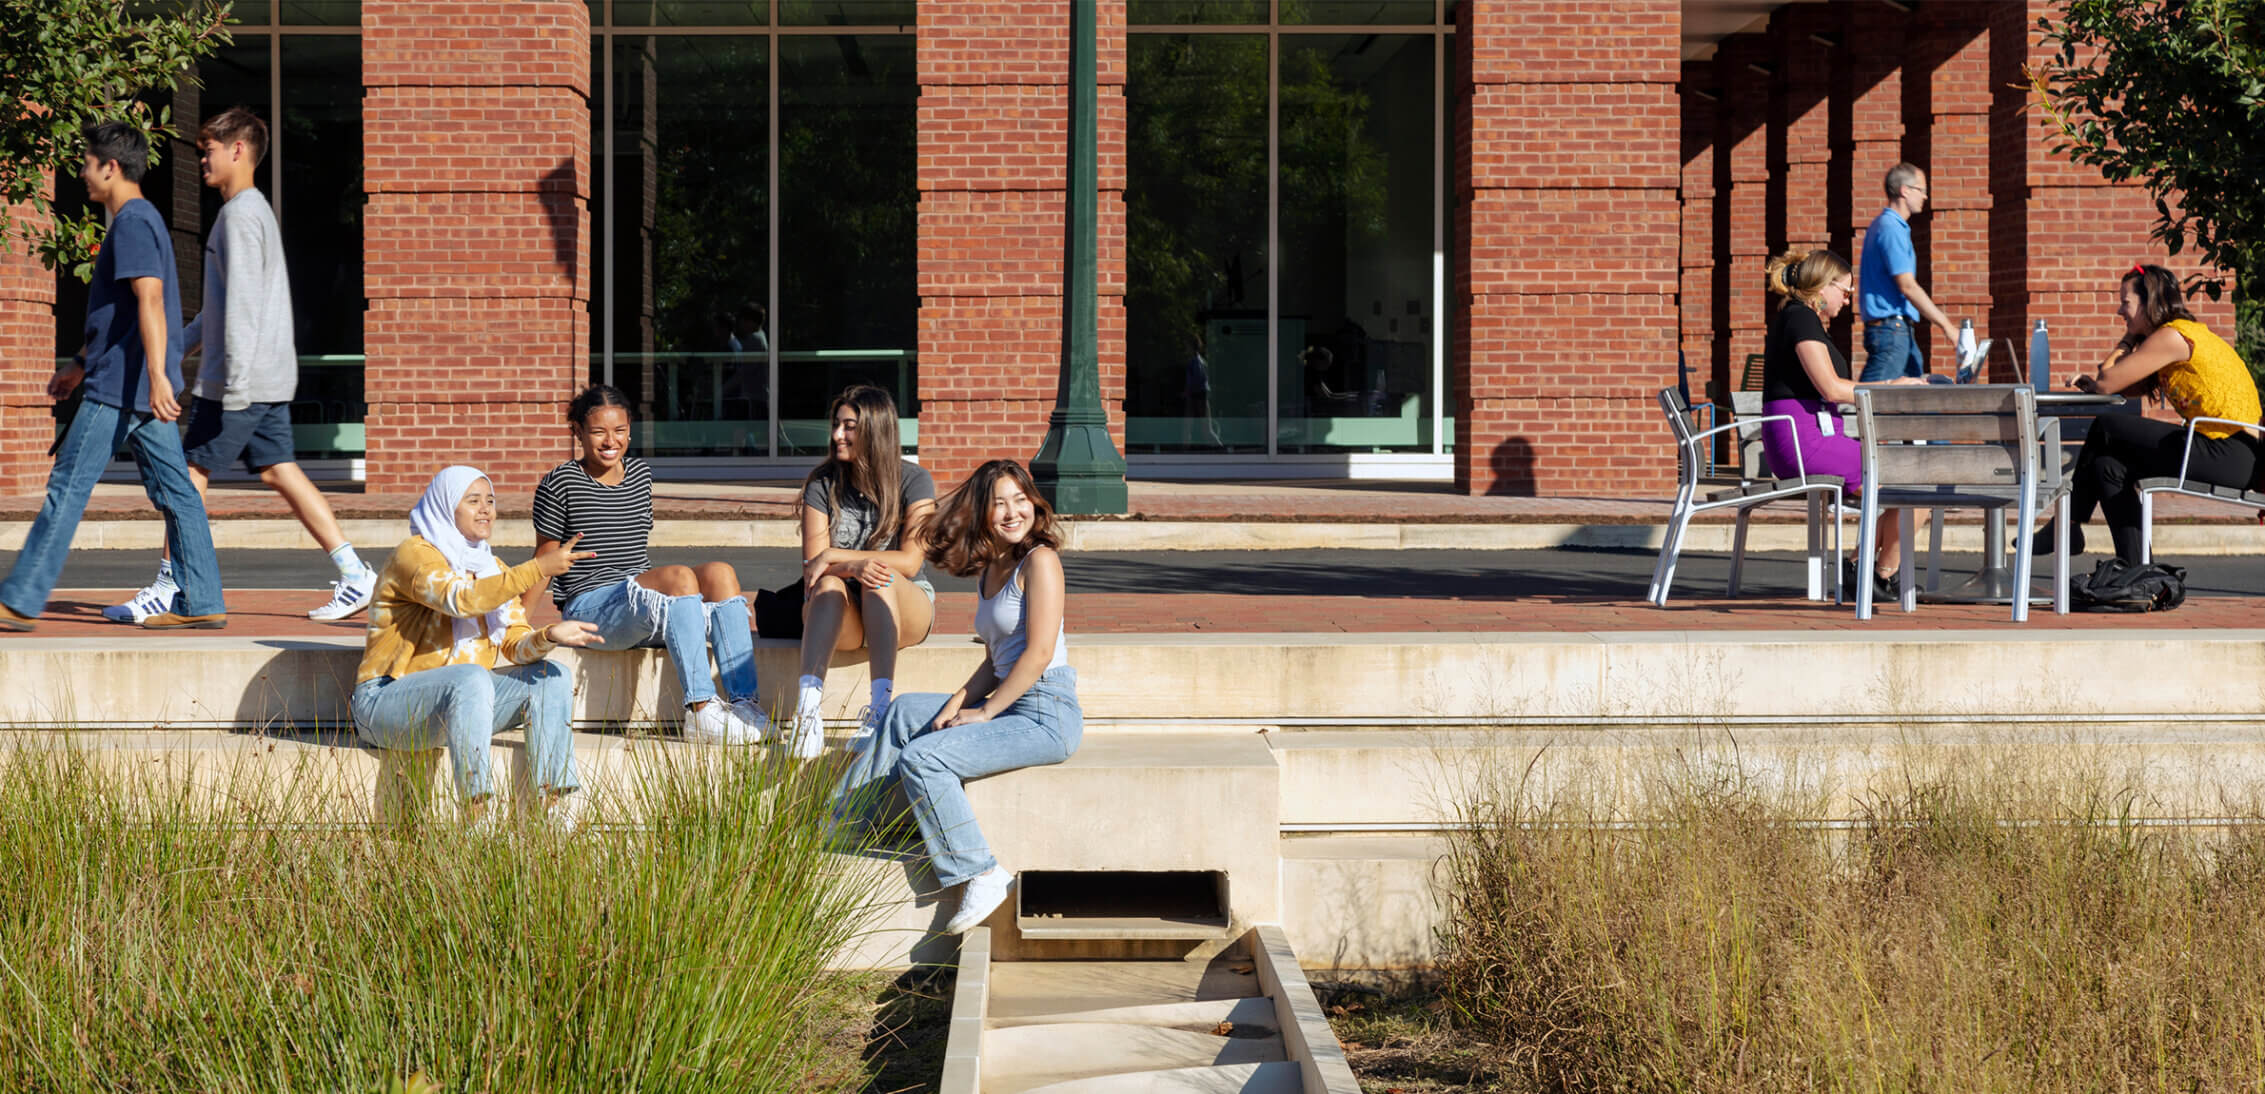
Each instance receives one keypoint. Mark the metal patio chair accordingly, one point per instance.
(2226, 495)
(1821, 491)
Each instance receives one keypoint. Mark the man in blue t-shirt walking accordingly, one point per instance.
(1889, 298)
(131, 370)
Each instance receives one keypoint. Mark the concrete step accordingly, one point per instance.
(1034, 990)
(1871, 675)
(1268, 1078)
(1031, 1057)
(1254, 1013)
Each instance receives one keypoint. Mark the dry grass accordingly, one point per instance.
(1983, 930)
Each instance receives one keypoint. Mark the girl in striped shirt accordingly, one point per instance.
(606, 498)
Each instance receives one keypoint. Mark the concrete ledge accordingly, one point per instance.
(140, 681)
(971, 991)
(1306, 1036)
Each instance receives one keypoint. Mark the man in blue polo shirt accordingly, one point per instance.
(1889, 298)
(131, 370)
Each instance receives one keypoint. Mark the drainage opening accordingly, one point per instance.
(1168, 904)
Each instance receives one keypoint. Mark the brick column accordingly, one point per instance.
(1868, 109)
(1700, 100)
(2061, 236)
(1800, 127)
(1947, 102)
(27, 359)
(1742, 185)
(476, 137)
(1566, 214)
(993, 171)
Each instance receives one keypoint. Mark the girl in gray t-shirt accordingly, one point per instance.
(862, 548)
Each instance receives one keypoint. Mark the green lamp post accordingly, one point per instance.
(1078, 467)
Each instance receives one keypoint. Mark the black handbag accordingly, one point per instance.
(778, 612)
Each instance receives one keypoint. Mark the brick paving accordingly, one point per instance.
(1268, 502)
(276, 613)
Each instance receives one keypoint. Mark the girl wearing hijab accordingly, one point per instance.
(450, 659)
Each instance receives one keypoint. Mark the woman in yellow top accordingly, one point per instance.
(2164, 349)
(450, 658)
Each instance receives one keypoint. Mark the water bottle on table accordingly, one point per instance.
(2040, 359)
(1966, 362)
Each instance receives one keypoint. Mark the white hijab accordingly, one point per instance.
(434, 521)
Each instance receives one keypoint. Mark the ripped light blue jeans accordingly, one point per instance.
(1043, 727)
(631, 616)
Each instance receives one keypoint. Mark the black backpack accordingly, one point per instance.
(2119, 586)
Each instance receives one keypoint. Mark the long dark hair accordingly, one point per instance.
(875, 467)
(963, 542)
(2161, 299)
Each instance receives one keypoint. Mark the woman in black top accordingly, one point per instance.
(1804, 377)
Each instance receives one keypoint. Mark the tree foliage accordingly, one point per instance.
(2172, 93)
(66, 64)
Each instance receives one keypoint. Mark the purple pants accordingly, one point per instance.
(1838, 454)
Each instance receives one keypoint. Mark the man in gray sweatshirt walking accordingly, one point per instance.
(242, 410)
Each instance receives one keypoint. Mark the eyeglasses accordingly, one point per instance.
(1922, 190)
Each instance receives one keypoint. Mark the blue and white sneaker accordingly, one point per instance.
(347, 596)
(156, 598)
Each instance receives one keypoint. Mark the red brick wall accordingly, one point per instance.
(2061, 235)
(1567, 210)
(993, 174)
(27, 359)
(476, 244)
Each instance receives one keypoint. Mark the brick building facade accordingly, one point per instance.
(1599, 194)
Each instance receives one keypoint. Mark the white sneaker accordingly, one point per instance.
(717, 724)
(868, 727)
(981, 896)
(809, 740)
(751, 712)
(156, 598)
(569, 812)
(347, 596)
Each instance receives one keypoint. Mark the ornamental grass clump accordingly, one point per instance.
(166, 933)
(1982, 930)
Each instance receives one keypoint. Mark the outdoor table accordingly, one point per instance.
(1994, 583)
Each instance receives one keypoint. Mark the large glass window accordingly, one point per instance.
(754, 201)
(1286, 209)
(304, 56)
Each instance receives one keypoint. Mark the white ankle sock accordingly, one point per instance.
(347, 561)
(813, 693)
(883, 687)
(165, 571)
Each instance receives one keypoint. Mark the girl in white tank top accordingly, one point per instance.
(1018, 708)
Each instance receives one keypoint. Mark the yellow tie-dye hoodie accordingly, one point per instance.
(420, 597)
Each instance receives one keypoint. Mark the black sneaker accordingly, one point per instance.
(2042, 542)
(1886, 588)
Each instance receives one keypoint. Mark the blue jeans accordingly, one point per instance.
(462, 707)
(1043, 727)
(94, 436)
(1891, 350)
(630, 616)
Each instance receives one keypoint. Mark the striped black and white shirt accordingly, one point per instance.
(614, 521)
